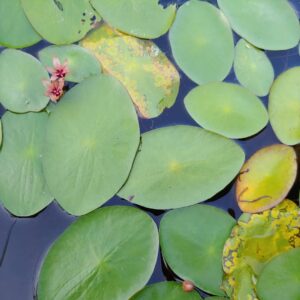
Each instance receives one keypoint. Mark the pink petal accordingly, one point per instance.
(50, 70)
(56, 62)
(46, 83)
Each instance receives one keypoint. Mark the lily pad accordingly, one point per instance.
(266, 178)
(15, 29)
(61, 21)
(81, 62)
(253, 68)
(254, 242)
(227, 109)
(216, 298)
(107, 254)
(202, 42)
(268, 24)
(23, 189)
(284, 106)
(21, 88)
(91, 142)
(150, 78)
(181, 165)
(192, 241)
(142, 18)
(280, 279)
(165, 290)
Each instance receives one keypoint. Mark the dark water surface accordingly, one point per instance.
(24, 242)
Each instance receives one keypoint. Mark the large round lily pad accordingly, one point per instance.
(266, 178)
(81, 62)
(107, 254)
(15, 29)
(267, 24)
(280, 279)
(253, 243)
(61, 21)
(141, 18)
(23, 189)
(21, 88)
(150, 78)
(202, 42)
(165, 290)
(192, 241)
(181, 165)
(91, 141)
(253, 68)
(284, 106)
(227, 109)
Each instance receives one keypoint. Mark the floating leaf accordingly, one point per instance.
(254, 242)
(227, 109)
(107, 254)
(284, 106)
(202, 42)
(15, 29)
(181, 165)
(142, 18)
(216, 298)
(91, 141)
(266, 178)
(253, 68)
(165, 290)
(23, 189)
(150, 78)
(21, 88)
(81, 62)
(267, 24)
(61, 21)
(280, 279)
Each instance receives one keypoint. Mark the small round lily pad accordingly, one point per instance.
(253, 68)
(202, 42)
(266, 178)
(15, 29)
(165, 290)
(267, 24)
(227, 109)
(192, 241)
(92, 138)
(107, 254)
(142, 18)
(23, 188)
(21, 87)
(280, 279)
(181, 165)
(284, 106)
(80, 61)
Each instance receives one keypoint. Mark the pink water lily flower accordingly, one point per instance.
(59, 70)
(54, 89)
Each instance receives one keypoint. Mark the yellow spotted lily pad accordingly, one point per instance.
(150, 78)
(254, 242)
(266, 178)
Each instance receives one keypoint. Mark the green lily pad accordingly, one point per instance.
(202, 42)
(81, 62)
(227, 109)
(254, 242)
(181, 165)
(284, 106)
(107, 254)
(21, 87)
(192, 241)
(253, 68)
(280, 279)
(165, 290)
(266, 178)
(216, 298)
(91, 142)
(23, 189)
(15, 29)
(142, 18)
(267, 24)
(150, 78)
(61, 21)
